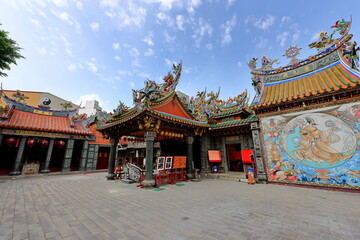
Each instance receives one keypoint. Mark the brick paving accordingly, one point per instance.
(87, 206)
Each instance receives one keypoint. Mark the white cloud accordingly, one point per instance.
(109, 3)
(227, 27)
(282, 38)
(209, 46)
(34, 22)
(285, 19)
(79, 5)
(69, 52)
(67, 18)
(92, 65)
(134, 52)
(124, 73)
(42, 51)
(148, 39)
(136, 63)
(131, 84)
(95, 26)
(116, 46)
(117, 58)
(168, 38)
(202, 30)
(239, 63)
(230, 3)
(60, 3)
(41, 13)
(260, 42)
(162, 17)
(124, 13)
(262, 23)
(315, 37)
(192, 5)
(180, 21)
(166, 4)
(296, 33)
(149, 52)
(143, 75)
(168, 62)
(72, 67)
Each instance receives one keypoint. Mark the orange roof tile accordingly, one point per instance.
(330, 79)
(31, 121)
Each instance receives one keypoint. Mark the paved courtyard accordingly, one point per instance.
(87, 206)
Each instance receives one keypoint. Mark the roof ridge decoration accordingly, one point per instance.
(120, 109)
(204, 105)
(153, 91)
(326, 45)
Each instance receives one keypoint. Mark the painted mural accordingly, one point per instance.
(320, 147)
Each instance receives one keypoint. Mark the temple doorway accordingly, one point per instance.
(103, 158)
(76, 155)
(173, 147)
(235, 163)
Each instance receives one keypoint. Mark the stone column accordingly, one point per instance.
(90, 157)
(205, 146)
(257, 151)
(68, 155)
(84, 154)
(48, 157)
(96, 157)
(1, 139)
(19, 157)
(112, 156)
(189, 159)
(149, 138)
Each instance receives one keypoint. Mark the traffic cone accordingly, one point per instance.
(250, 178)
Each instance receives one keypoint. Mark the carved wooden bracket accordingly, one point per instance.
(149, 123)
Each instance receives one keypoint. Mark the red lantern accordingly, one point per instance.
(43, 143)
(60, 144)
(31, 142)
(11, 142)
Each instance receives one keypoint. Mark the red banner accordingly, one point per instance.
(214, 156)
(247, 156)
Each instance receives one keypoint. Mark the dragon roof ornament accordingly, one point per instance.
(153, 91)
(325, 44)
(206, 104)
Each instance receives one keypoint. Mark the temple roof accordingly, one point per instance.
(330, 79)
(333, 70)
(38, 122)
(17, 115)
(233, 123)
(170, 108)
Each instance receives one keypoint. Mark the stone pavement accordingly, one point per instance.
(87, 206)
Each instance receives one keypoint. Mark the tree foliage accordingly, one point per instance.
(9, 52)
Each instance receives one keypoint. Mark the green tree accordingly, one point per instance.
(9, 52)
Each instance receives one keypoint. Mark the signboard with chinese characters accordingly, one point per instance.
(179, 162)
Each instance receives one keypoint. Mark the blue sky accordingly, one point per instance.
(101, 50)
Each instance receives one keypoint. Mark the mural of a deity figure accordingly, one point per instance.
(320, 147)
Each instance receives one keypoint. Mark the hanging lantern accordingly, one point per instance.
(43, 143)
(11, 142)
(31, 142)
(60, 144)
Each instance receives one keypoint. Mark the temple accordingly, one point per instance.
(309, 113)
(302, 126)
(37, 139)
(187, 127)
